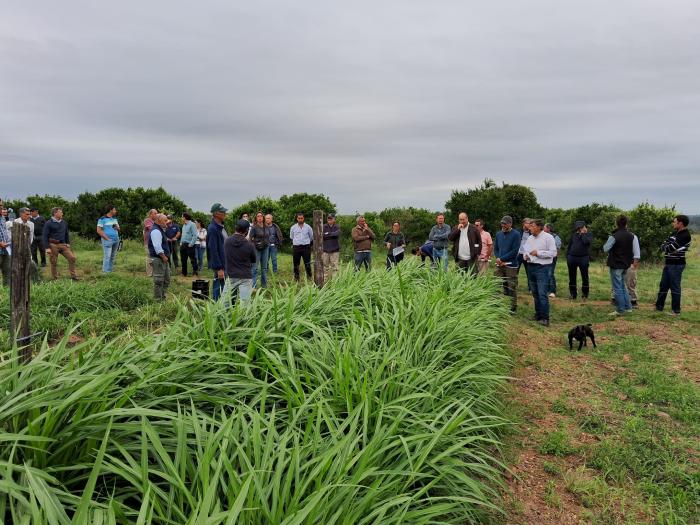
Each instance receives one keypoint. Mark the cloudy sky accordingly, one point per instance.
(375, 104)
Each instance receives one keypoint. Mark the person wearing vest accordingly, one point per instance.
(159, 252)
(619, 248)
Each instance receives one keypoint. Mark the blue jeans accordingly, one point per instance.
(622, 298)
(109, 254)
(240, 289)
(261, 262)
(199, 253)
(363, 258)
(538, 275)
(552, 287)
(440, 256)
(273, 257)
(670, 280)
(217, 287)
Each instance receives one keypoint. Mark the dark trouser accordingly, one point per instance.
(5, 266)
(509, 275)
(393, 260)
(38, 245)
(363, 258)
(539, 284)
(188, 252)
(174, 258)
(161, 278)
(526, 265)
(670, 280)
(300, 252)
(575, 263)
(467, 266)
(552, 285)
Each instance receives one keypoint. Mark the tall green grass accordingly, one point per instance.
(373, 400)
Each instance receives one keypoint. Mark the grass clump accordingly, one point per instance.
(557, 443)
(374, 400)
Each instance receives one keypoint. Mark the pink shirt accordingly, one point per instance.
(486, 241)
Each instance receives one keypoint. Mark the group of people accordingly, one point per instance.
(239, 259)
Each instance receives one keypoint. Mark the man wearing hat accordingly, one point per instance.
(331, 247)
(505, 249)
(37, 245)
(216, 235)
(578, 258)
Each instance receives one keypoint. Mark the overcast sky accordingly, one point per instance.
(374, 103)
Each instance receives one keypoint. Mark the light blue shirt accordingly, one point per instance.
(636, 252)
(301, 236)
(157, 240)
(189, 234)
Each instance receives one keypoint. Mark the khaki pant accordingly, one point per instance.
(483, 266)
(510, 283)
(630, 284)
(330, 264)
(161, 278)
(149, 264)
(64, 250)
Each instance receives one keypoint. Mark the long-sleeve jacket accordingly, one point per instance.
(676, 246)
(215, 246)
(439, 235)
(395, 239)
(331, 238)
(362, 238)
(506, 247)
(474, 238)
(580, 245)
(189, 234)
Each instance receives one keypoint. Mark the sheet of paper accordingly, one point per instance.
(396, 251)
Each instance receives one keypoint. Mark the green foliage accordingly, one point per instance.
(652, 226)
(491, 202)
(557, 443)
(306, 203)
(348, 222)
(415, 222)
(369, 401)
(260, 203)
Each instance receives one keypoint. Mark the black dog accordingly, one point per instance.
(580, 333)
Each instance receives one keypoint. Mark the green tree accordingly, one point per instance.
(652, 226)
(415, 222)
(306, 203)
(260, 203)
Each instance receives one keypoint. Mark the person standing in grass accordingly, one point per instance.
(439, 235)
(275, 238)
(201, 246)
(57, 238)
(108, 230)
(148, 223)
(486, 247)
(188, 245)
(5, 247)
(259, 236)
(631, 275)
(674, 250)
(506, 249)
(540, 250)
(466, 241)
(331, 247)
(362, 237)
(620, 250)
(216, 260)
(553, 278)
(172, 235)
(159, 250)
(240, 257)
(394, 239)
(24, 218)
(521, 254)
(302, 236)
(38, 246)
(578, 258)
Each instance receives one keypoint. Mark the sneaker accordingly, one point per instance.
(552, 295)
(674, 314)
(615, 313)
(544, 322)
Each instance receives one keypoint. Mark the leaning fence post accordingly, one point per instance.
(318, 248)
(19, 289)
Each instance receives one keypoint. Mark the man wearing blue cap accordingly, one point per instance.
(216, 235)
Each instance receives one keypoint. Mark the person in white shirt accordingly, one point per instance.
(302, 236)
(539, 251)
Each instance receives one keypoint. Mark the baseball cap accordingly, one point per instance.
(579, 224)
(217, 207)
(507, 219)
(331, 216)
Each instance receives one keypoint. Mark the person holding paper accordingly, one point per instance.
(395, 242)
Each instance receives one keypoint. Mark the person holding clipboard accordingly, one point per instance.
(395, 242)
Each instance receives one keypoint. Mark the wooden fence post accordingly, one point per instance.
(318, 248)
(19, 289)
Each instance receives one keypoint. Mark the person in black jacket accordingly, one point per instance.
(578, 258)
(38, 243)
(674, 249)
(620, 250)
(240, 257)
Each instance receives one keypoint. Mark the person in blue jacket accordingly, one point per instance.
(505, 249)
(216, 235)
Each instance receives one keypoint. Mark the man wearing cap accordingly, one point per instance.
(540, 250)
(578, 258)
(56, 239)
(331, 247)
(505, 249)
(240, 256)
(159, 250)
(216, 234)
(302, 236)
(37, 245)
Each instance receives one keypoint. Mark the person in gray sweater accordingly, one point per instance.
(439, 236)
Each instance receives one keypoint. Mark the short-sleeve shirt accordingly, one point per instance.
(486, 241)
(108, 226)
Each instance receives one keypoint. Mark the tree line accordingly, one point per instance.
(488, 201)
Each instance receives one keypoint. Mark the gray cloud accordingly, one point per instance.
(374, 104)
